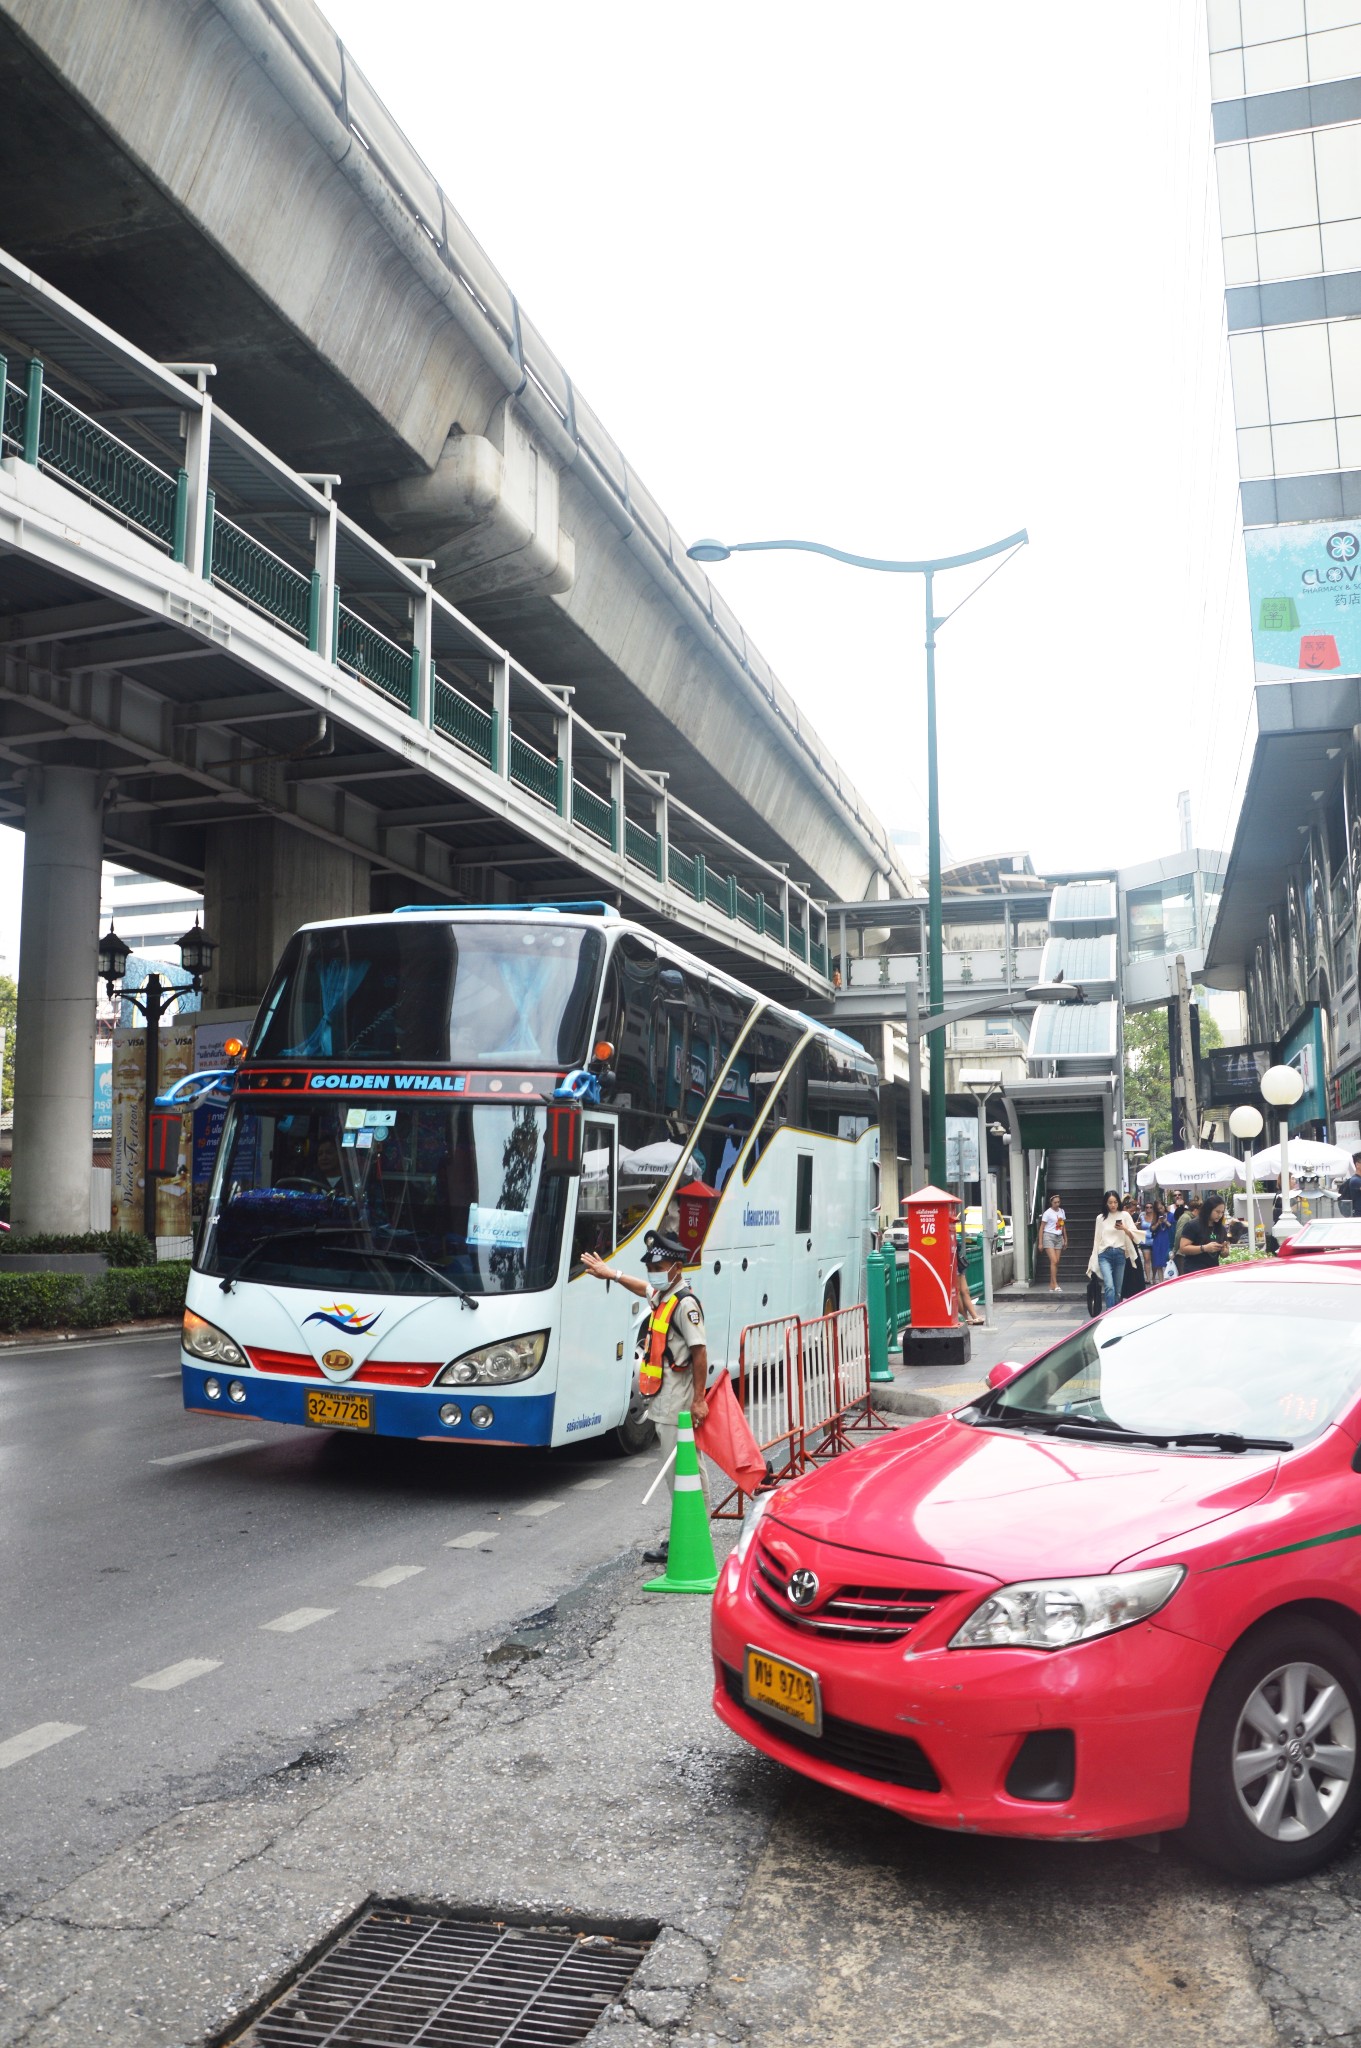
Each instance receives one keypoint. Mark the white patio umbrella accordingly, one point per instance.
(1309, 1160)
(650, 1162)
(1197, 1167)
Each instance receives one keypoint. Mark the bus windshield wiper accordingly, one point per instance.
(264, 1244)
(384, 1251)
(315, 1230)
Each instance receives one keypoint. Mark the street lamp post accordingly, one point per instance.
(1246, 1122)
(1282, 1087)
(152, 1001)
(719, 551)
(982, 1082)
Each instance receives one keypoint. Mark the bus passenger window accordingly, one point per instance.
(803, 1193)
(595, 1229)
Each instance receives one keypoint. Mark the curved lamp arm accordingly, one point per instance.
(718, 551)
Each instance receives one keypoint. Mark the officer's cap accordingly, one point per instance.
(662, 1248)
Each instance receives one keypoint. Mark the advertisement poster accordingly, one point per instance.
(103, 1116)
(129, 1131)
(1304, 586)
(961, 1148)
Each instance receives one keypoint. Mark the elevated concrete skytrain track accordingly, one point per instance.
(217, 181)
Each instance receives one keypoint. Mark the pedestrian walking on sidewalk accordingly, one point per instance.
(1115, 1245)
(1204, 1238)
(672, 1365)
(1054, 1237)
(1160, 1229)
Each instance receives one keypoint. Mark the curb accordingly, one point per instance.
(28, 1339)
(905, 1400)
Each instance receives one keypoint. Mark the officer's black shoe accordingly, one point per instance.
(658, 1556)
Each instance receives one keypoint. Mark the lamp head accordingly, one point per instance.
(1282, 1086)
(1245, 1121)
(196, 953)
(113, 958)
(708, 551)
(1056, 992)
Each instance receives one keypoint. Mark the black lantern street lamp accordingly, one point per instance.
(151, 1001)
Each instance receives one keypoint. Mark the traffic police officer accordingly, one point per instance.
(673, 1357)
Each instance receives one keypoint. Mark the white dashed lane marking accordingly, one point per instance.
(393, 1576)
(34, 1739)
(592, 1485)
(472, 1540)
(538, 1507)
(238, 1443)
(177, 1674)
(296, 1618)
(175, 1375)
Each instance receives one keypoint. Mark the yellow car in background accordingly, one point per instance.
(973, 1225)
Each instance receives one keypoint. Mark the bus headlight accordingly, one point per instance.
(496, 1365)
(202, 1339)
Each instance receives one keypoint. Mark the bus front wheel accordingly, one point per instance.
(637, 1432)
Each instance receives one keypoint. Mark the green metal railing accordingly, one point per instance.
(533, 771)
(458, 718)
(266, 582)
(685, 873)
(642, 847)
(46, 429)
(380, 661)
(594, 813)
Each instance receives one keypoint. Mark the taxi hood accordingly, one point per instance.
(1013, 1505)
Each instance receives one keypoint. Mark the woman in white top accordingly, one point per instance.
(1115, 1246)
(1054, 1237)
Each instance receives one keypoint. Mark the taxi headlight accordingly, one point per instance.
(203, 1339)
(1049, 1614)
(496, 1365)
(749, 1521)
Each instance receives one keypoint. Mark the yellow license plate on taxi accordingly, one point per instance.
(339, 1411)
(785, 1690)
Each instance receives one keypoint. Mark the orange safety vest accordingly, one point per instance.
(652, 1366)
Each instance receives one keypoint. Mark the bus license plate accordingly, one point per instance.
(784, 1690)
(339, 1411)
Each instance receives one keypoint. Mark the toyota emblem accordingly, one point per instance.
(803, 1587)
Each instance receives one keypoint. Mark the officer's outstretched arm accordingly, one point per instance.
(597, 1267)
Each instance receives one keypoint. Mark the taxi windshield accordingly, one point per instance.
(394, 1200)
(1247, 1361)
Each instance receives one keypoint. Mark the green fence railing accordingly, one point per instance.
(459, 719)
(533, 771)
(380, 661)
(686, 872)
(642, 847)
(594, 813)
(748, 909)
(11, 410)
(254, 572)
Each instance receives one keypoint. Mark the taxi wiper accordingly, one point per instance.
(1230, 1440)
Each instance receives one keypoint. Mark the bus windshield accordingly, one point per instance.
(474, 994)
(338, 1194)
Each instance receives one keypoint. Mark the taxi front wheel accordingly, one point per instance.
(1275, 1785)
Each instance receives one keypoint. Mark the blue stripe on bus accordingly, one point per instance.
(517, 1418)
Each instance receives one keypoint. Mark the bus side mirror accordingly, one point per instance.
(562, 1140)
(1000, 1374)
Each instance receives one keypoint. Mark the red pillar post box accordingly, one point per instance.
(933, 1337)
(696, 1203)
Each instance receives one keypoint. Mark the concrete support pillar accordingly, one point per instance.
(55, 1025)
(890, 1193)
(262, 879)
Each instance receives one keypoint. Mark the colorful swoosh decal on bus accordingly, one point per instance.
(341, 1316)
(1305, 1543)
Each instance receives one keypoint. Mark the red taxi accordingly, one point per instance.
(1117, 1593)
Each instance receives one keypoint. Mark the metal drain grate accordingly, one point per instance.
(417, 1980)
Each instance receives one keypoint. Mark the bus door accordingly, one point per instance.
(599, 1322)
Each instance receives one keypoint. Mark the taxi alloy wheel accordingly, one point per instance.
(1276, 1784)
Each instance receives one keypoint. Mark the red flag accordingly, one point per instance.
(725, 1436)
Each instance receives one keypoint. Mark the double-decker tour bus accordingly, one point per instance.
(439, 1110)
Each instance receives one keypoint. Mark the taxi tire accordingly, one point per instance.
(635, 1434)
(1217, 1830)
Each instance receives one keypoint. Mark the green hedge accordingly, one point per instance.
(120, 1247)
(65, 1301)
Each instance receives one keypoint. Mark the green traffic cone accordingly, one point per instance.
(690, 1563)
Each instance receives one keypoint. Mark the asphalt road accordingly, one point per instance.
(186, 1601)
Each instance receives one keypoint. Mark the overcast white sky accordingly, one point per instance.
(903, 277)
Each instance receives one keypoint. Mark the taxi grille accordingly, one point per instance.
(865, 1614)
(849, 1745)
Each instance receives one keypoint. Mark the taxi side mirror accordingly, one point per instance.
(1000, 1374)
